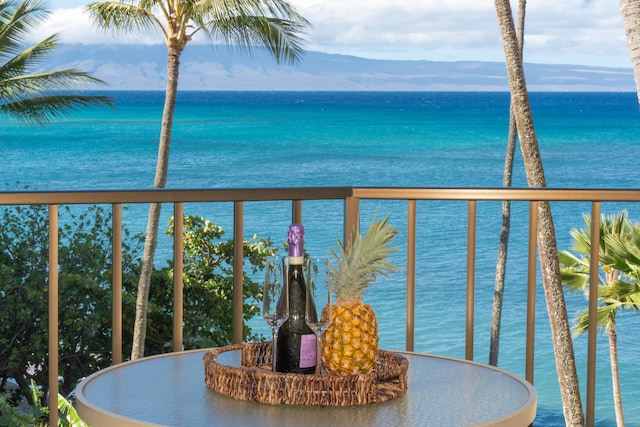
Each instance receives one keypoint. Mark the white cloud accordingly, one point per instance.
(588, 31)
(75, 26)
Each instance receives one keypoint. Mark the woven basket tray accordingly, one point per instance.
(255, 381)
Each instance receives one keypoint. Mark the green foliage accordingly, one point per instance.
(619, 257)
(249, 25)
(360, 262)
(208, 288)
(25, 90)
(11, 417)
(84, 292)
(85, 273)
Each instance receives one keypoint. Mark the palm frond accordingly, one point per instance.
(623, 253)
(627, 294)
(279, 37)
(574, 272)
(248, 24)
(605, 316)
(27, 95)
(120, 17)
(45, 109)
(619, 256)
(26, 85)
(614, 235)
(30, 58)
(16, 22)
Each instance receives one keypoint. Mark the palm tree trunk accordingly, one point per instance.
(560, 328)
(630, 10)
(151, 239)
(501, 263)
(615, 376)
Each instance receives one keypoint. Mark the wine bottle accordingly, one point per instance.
(296, 341)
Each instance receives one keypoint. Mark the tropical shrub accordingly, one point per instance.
(10, 416)
(208, 288)
(85, 272)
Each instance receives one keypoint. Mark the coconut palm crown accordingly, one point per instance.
(27, 94)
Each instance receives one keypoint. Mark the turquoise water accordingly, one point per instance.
(264, 139)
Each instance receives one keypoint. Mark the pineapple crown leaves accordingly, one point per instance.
(359, 264)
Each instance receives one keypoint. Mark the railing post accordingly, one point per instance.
(531, 290)
(53, 315)
(178, 282)
(411, 274)
(594, 262)
(471, 272)
(351, 218)
(238, 275)
(116, 284)
(296, 211)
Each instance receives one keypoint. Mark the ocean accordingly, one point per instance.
(389, 139)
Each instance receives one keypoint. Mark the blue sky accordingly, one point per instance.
(587, 32)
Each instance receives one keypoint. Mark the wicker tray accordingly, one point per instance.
(254, 380)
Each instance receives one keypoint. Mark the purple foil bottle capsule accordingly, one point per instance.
(296, 241)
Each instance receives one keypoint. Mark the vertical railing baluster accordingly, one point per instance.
(531, 290)
(411, 274)
(238, 275)
(471, 270)
(116, 284)
(178, 283)
(296, 211)
(594, 262)
(351, 218)
(53, 315)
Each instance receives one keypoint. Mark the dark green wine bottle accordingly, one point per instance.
(296, 341)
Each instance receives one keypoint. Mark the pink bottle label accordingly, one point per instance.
(307, 351)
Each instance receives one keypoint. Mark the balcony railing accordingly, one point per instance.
(351, 198)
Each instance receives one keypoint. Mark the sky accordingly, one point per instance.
(585, 32)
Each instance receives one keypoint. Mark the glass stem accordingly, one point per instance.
(274, 347)
(318, 354)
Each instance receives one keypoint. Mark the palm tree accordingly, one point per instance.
(548, 251)
(273, 24)
(503, 246)
(618, 288)
(27, 95)
(630, 10)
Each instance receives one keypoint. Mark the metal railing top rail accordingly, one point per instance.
(499, 194)
(316, 193)
(172, 195)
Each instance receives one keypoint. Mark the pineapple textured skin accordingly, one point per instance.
(350, 344)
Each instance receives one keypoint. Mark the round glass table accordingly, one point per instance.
(169, 390)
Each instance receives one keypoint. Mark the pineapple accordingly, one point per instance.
(350, 344)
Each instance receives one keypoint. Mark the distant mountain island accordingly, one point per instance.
(204, 67)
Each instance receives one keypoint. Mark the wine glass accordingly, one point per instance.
(318, 306)
(275, 300)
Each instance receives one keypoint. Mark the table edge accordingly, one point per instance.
(93, 415)
(527, 412)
